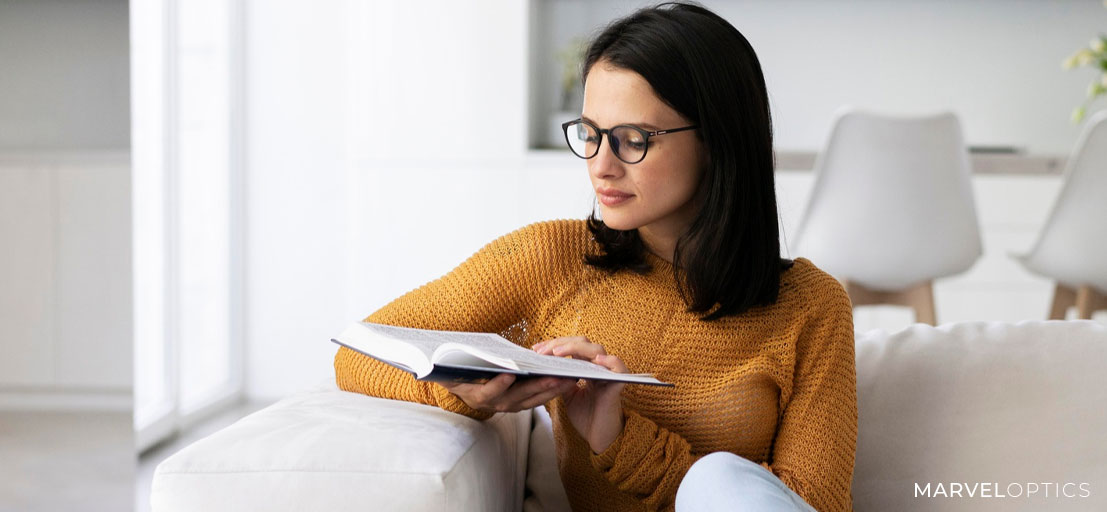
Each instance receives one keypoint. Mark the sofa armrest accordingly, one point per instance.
(330, 450)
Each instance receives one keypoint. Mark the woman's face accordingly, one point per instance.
(660, 187)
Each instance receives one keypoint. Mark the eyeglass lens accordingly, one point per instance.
(628, 144)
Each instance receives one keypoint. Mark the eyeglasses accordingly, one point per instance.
(628, 142)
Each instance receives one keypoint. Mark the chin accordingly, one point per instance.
(618, 222)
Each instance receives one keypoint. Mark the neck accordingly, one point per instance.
(663, 245)
(660, 237)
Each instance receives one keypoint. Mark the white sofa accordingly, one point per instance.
(987, 408)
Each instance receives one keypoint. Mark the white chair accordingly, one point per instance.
(1072, 246)
(892, 208)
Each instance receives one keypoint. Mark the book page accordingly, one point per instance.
(491, 347)
(424, 340)
(494, 345)
(460, 348)
(536, 361)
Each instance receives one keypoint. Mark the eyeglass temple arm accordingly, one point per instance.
(663, 132)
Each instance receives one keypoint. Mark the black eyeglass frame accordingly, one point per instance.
(614, 145)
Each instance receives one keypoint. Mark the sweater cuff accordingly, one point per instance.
(450, 402)
(634, 426)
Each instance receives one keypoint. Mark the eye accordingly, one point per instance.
(631, 139)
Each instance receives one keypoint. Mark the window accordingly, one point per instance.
(186, 62)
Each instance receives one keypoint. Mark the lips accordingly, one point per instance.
(612, 197)
(612, 193)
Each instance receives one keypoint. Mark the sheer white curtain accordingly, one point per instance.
(186, 138)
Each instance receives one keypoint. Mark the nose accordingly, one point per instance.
(605, 165)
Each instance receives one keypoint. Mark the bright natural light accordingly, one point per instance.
(184, 247)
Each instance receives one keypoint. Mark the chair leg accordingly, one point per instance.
(862, 296)
(1063, 299)
(922, 299)
(1088, 301)
(919, 297)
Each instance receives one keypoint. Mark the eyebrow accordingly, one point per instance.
(648, 126)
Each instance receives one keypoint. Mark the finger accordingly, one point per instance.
(612, 363)
(488, 392)
(579, 350)
(543, 347)
(546, 347)
(462, 388)
(577, 386)
(524, 390)
(540, 398)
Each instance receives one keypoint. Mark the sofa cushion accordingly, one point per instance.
(544, 490)
(329, 450)
(998, 405)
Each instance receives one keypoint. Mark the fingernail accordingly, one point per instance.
(538, 346)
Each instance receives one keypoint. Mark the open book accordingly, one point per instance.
(453, 356)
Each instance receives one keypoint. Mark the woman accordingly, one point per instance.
(681, 278)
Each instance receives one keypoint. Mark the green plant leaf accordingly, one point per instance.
(1078, 114)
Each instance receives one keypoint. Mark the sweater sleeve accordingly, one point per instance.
(816, 441)
(646, 461)
(489, 292)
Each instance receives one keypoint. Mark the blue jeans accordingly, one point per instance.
(724, 481)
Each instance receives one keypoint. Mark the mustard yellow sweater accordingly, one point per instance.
(775, 385)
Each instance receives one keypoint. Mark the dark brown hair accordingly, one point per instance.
(700, 65)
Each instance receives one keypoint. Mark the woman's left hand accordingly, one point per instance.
(595, 409)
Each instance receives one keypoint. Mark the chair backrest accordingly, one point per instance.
(892, 203)
(1072, 246)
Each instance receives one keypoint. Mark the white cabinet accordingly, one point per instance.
(27, 255)
(65, 281)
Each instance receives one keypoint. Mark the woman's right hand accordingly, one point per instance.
(504, 394)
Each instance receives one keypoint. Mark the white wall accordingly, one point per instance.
(371, 170)
(997, 63)
(63, 75)
(295, 199)
(366, 172)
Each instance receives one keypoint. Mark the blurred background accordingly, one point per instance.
(196, 195)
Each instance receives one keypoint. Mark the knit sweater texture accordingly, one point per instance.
(776, 384)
